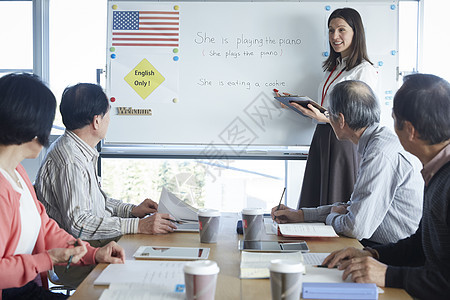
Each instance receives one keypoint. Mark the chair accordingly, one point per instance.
(57, 284)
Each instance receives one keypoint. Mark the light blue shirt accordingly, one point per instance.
(386, 204)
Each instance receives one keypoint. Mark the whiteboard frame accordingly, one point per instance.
(182, 150)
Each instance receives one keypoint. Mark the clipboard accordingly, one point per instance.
(301, 100)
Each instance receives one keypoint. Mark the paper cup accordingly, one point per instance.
(286, 279)
(200, 278)
(252, 223)
(208, 221)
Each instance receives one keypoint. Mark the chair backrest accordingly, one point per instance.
(56, 283)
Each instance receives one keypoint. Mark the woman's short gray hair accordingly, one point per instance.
(357, 102)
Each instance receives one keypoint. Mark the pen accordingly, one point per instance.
(175, 221)
(284, 190)
(76, 244)
(324, 266)
(279, 204)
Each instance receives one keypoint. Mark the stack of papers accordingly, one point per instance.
(143, 280)
(307, 230)
(256, 264)
(137, 291)
(180, 210)
(166, 274)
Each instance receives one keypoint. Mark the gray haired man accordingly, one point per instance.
(386, 203)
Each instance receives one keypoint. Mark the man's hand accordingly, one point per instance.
(311, 112)
(287, 215)
(336, 258)
(111, 253)
(155, 224)
(147, 207)
(364, 270)
(62, 255)
(340, 209)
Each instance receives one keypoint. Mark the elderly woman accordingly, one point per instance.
(30, 242)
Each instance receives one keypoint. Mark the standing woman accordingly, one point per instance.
(332, 165)
(30, 242)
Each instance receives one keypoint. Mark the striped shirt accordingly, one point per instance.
(386, 204)
(68, 186)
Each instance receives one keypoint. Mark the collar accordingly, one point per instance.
(89, 152)
(365, 137)
(434, 165)
(341, 61)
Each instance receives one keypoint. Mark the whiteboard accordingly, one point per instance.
(211, 81)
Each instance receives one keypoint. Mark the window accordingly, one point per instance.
(16, 53)
(408, 26)
(435, 42)
(77, 44)
(226, 185)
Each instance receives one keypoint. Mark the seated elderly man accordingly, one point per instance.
(387, 199)
(68, 186)
(420, 264)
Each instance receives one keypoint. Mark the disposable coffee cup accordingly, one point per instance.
(200, 279)
(286, 279)
(208, 221)
(252, 223)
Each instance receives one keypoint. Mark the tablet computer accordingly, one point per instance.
(300, 100)
(164, 252)
(273, 246)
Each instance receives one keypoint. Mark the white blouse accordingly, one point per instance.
(30, 219)
(364, 72)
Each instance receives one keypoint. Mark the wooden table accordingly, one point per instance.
(227, 256)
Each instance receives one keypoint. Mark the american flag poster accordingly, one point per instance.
(146, 28)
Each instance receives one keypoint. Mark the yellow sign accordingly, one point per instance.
(144, 78)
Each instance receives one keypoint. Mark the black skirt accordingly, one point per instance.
(331, 169)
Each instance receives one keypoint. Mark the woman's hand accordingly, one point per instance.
(62, 255)
(277, 92)
(312, 112)
(112, 253)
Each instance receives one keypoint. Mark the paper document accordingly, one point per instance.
(180, 210)
(307, 230)
(314, 258)
(256, 264)
(164, 252)
(163, 275)
(270, 226)
(138, 291)
(315, 274)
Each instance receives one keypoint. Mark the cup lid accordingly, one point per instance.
(208, 213)
(252, 211)
(286, 266)
(201, 267)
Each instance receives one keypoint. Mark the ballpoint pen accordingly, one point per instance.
(284, 190)
(279, 204)
(76, 244)
(175, 221)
